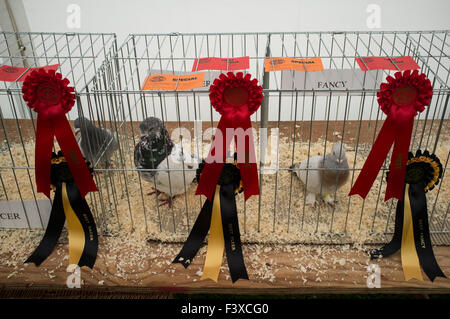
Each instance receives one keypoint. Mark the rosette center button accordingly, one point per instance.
(404, 95)
(48, 94)
(236, 96)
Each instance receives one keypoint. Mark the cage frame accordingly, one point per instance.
(110, 85)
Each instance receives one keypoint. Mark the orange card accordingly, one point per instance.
(293, 64)
(172, 82)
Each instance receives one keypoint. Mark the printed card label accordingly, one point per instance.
(382, 63)
(172, 82)
(208, 77)
(13, 73)
(331, 79)
(293, 64)
(221, 64)
(46, 68)
(14, 215)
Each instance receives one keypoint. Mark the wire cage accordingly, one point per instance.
(295, 121)
(77, 56)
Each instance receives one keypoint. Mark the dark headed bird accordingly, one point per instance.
(97, 144)
(158, 154)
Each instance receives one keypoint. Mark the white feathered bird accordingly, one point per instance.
(323, 175)
(171, 169)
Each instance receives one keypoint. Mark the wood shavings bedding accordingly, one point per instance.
(281, 216)
(123, 208)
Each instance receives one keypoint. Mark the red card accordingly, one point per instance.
(11, 73)
(221, 64)
(46, 68)
(376, 63)
(15, 73)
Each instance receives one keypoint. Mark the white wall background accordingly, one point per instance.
(150, 16)
(195, 16)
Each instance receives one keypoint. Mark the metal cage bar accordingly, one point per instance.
(79, 56)
(300, 121)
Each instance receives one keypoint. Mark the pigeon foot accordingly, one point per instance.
(157, 192)
(328, 199)
(168, 202)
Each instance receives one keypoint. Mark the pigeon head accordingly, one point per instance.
(81, 123)
(336, 158)
(338, 152)
(151, 126)
(336, 166)
(153, 130)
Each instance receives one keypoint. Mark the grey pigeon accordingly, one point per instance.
(326, 174)
(157, 153)
(97, 144)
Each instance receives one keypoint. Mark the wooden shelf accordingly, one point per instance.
(341, 271)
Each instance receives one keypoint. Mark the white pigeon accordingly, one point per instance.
(323, 175)
(171, 169)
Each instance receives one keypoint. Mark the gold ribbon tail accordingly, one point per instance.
(410, 260)
(216, 243)
(75, 230)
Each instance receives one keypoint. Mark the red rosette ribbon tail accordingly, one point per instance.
(401, 99)
(49, 95)
(236, 98)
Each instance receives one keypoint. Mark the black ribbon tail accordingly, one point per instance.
(231, 234)
(197, 236)
(52, 233)
(422, 238)
(84, 215)
(396, 241)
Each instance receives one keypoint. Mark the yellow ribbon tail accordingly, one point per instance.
(216, 243)
(75, 230)
(410, 259)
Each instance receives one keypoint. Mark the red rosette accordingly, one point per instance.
(230, 93)
(48, 94)
(401, 99)
(235, 97)
(404, 96)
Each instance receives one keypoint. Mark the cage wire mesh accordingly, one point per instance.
(296, 121)
(78, 55)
